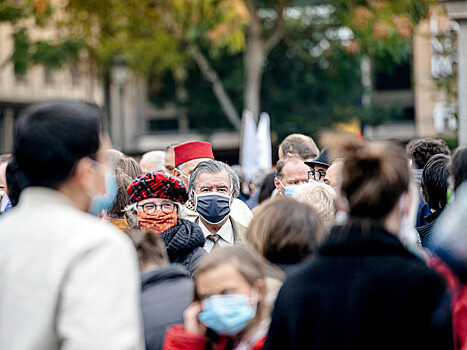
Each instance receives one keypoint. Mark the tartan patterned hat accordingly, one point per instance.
(157, 185)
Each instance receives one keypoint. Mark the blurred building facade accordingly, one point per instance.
(131, 115)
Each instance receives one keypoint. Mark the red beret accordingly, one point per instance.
(157, 185)
(192, 150)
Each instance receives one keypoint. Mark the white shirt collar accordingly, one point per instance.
(225, 235)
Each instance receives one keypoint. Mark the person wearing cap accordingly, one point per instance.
(319, 166)
(187, 156)
(158, 198)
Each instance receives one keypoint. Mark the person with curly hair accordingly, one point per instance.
(419, 152)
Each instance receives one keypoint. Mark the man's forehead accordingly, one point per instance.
(295, 167)
(206, 178)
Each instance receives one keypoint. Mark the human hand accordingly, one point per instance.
(190, 317)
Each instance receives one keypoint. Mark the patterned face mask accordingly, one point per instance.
(158, 221)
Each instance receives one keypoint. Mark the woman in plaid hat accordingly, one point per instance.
(158, 198)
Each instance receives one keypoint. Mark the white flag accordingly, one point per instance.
(248, 154)
(263, 142)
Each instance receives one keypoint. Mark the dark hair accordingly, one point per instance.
(126, 169)
(149, 247)
(434, 181)
(5, 158)
(374, 175)
(267, 187)
(420, 151)
(52, 136)
(458, 166)
(15, 181)
(301, 145)
(285, 231)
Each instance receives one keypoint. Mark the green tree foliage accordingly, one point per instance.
(318, 41)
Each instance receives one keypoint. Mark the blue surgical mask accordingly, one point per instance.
(212, 207)
(227, 314)
(289, 190)
(105, 202)
(5, 203)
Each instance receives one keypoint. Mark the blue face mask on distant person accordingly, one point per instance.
(227, 314)
(212, 207)
(289, 190)
(105, 202)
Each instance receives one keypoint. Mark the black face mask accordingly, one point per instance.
(213, 207)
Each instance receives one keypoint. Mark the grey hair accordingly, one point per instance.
(214, 167)
(180, 167)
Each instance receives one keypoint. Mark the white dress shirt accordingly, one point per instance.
(226, 235)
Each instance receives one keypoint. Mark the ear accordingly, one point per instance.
(277, 184)
(423, 196)
(176, 173)
(82, 170)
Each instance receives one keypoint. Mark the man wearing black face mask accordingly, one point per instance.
(213, 186)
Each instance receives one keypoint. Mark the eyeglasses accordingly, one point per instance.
(316, 175)
(150, 208)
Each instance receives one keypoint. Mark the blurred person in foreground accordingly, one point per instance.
(213, 188)
(285, 232)
(458, 167)
(298, 145)
(363, 288)
(449, 243)
(419, 152)
(290, 172)
(166, 289)
(5, 203)
(187, 156)
(434, 189)
(235, 291)
(68, 280)
(320, 197)
(153, 161)
(158, 198)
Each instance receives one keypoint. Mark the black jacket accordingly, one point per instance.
(185, 244)
(363, 290)
(425, 231)
(166, 293)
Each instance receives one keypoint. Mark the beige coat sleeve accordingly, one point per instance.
(99, 307)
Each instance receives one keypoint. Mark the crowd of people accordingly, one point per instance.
(361, 245)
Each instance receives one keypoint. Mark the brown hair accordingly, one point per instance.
(285, 231)
(421, 150)
(374, 175)
(149, 247)
(126, 169)
(301, 145)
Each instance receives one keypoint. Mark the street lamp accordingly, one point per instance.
(119, 78)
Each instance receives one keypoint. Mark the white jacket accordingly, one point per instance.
(67, 280)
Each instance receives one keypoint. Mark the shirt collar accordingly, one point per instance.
(225, 232)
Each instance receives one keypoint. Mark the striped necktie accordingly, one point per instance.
(214, 238)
